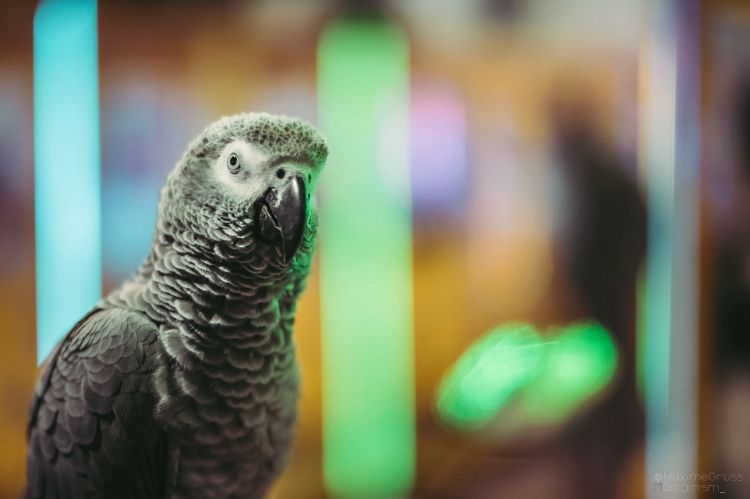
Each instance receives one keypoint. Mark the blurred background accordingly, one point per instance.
(566, 187)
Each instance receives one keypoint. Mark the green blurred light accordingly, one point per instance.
(67, 174)
(579, 364)
(365, 252)
(549, 380)
(488, 374)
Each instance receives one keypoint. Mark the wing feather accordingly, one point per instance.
(92, 431)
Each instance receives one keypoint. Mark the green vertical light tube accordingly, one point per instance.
(366, 268)
(66, 169)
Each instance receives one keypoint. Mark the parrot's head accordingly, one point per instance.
(243, 193)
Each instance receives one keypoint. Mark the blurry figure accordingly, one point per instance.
(599, 250)
(602, 253)
(731, 315)
(733, 260)
(604, 232)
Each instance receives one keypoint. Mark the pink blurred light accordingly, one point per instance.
(438, 149)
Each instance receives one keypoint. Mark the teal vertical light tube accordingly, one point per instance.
(366, 266)
(67, 174)
(658, 165)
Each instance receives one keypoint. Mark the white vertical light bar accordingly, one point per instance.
(669, 123)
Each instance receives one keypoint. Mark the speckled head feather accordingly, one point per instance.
(288, 137)
(207, 205)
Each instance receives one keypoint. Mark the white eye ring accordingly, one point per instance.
(234, 163)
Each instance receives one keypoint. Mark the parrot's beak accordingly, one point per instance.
(283, 215)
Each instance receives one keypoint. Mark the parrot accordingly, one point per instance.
(183, 382)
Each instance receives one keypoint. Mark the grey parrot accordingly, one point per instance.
(183, 382)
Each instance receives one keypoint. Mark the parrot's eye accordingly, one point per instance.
(234, 162)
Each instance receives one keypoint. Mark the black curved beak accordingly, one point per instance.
(283, 215)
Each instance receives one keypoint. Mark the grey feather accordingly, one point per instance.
(183, 382)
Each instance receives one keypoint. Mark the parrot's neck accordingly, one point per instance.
(211, 304)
